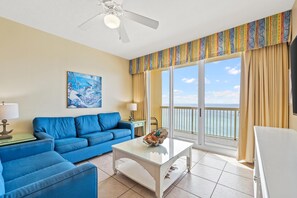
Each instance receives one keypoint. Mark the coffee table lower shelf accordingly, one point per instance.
(136, 172)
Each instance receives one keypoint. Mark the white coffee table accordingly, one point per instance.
(148, 166)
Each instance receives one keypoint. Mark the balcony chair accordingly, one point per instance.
(154, 122)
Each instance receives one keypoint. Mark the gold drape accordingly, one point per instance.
(139, 97)
(264, 94)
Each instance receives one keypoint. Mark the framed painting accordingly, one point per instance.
(83, 90)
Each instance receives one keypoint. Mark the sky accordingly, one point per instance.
(222, 84)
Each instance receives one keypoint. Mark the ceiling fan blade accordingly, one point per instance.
(103, 1)
(86, 24)
(123, 34)
(120, 2)
(142, 19)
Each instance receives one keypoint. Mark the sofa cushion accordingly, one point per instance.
(109, 120)
(30, 164)
(97, 138)
(57, 127)
(38, 175)
(87, 124)
(70, 144)
(119, 133)
(2, 186)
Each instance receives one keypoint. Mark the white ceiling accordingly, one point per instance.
(180, 20)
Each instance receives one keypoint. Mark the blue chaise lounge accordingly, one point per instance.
(33, 169)
(83, 137)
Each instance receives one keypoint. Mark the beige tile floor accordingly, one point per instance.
(212, 175)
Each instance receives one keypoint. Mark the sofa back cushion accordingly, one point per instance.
(109, 120)
(87, 124)
(2, 186)
(57, 127)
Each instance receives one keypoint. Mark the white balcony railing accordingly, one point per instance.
(219, 121)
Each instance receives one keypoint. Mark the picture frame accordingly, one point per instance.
(83, 90)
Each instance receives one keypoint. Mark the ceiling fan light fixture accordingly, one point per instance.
(112, 21)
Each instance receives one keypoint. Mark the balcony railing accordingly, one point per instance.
(219, 121)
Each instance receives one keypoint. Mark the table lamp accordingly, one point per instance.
(7, 111)
(132, 107)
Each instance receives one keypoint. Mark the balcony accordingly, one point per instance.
(221, 124)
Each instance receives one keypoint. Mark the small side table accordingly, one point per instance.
(139, 124)
(18, 138)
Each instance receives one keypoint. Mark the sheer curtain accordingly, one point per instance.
(264, 94)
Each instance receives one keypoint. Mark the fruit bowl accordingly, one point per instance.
(156, 137)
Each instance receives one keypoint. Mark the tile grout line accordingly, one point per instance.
(105, 173)
(125, 184)
(211, 166)
(228, 186)
(238, 175)
(122, 193)
(136, 192)
(222, 171)
(175, 185)
(112, 176)
(128, 191)
(188, 192)
(203, 178)
(128, 188)
(236, 190)
(182, 176)
(196, 176)
(218, 180)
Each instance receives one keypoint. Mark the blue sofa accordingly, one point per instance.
(33, 169)
(83, 137)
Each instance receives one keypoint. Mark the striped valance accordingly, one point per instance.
(264, 32)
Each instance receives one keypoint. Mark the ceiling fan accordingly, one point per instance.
(114, 13)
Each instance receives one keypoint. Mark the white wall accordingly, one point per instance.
(33, 73)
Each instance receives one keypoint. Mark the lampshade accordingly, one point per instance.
(132, 107)
(112, 21)
(9, 111)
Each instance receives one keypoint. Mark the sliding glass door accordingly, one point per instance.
(222, 88)
(198, 103)
(185, 103)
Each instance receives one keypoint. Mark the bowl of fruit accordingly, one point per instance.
(156, 137)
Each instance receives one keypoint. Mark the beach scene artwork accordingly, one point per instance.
(84, 91)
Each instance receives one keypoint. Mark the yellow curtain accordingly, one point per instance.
(264, 94)
(139, 97)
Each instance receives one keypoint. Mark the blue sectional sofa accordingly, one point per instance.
(83, 137)
(33, 169)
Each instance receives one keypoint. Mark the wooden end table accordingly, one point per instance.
(139, 124)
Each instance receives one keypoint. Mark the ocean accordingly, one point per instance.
(222, 120)
(206, 105)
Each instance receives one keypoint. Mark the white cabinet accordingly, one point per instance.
(257, 182)
(275, 173)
